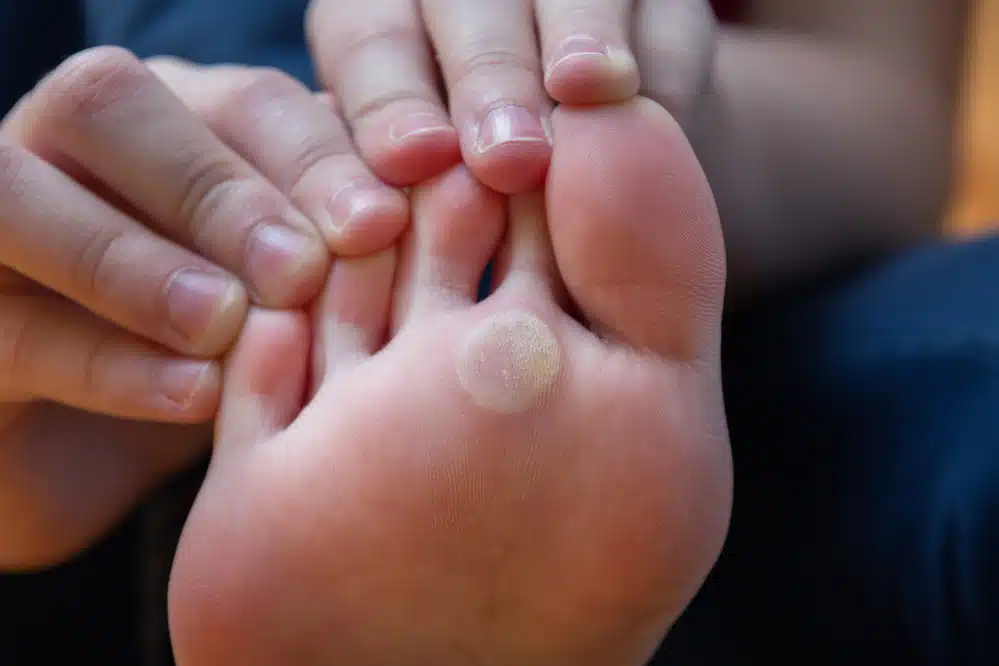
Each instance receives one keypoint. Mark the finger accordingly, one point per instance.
(375, 56)
(585, 47)
(298, 143)
(489, 57)
(57, 234)
(111, 115)
(54, 350)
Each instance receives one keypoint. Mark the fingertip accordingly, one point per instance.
(208, 335)
(287, 266)
(510, 149)
(512, 169)
(410, 150)
(418, 159)
(373, 220)
(585, 71)
(191, 390)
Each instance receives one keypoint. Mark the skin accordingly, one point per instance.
(789, 221)
(105, 373)
(857, 159)
(825, 127)
(490, 483)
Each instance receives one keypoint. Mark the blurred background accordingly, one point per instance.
(976, 202)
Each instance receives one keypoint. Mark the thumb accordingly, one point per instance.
(265, 378)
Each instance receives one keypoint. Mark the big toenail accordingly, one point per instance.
(509, 362)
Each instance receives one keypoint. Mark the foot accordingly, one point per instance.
(490, 483)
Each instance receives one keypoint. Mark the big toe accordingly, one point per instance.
(635, 228)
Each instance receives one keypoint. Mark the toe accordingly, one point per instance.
(526, 259)
(635, 229)
(457, 226)
(264, 378)
(352, 316)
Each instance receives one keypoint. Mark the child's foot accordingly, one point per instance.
(497, 484)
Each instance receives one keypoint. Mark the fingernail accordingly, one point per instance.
(276, 253)
(509, 124)
(578, 47)
(417, 124)
(181, 381)
(197, 301)
(591, 48)
(350, 202)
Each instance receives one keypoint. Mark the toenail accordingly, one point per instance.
(509, 362)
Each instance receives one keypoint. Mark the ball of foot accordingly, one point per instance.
(540, 478)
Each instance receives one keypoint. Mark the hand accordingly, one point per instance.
(129, 225)
(498, 78)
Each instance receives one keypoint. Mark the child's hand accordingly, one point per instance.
(501, 63)
(129, 225)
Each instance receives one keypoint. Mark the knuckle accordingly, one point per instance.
(375, 105)
(207, 184)
(247, 95)
(310, 152)
(94, 264)
(223, 211)
(252, 98)
(260, 87)
(263, 94)
(354, 39)
(89, 83)
(488, 60)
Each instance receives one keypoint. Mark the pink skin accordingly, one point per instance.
(393, 63)
(409, 511)
(126, 270)
(424, 84)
